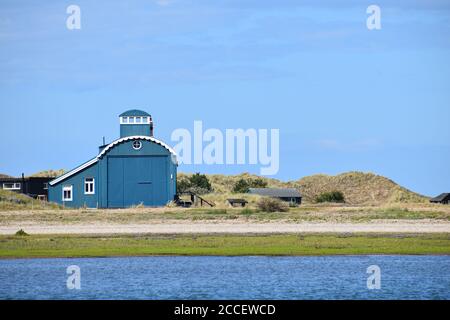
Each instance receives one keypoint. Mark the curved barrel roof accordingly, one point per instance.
(135, 112)
(112, 144)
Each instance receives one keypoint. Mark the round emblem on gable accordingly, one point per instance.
(137, 145)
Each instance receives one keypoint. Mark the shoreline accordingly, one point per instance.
(236, 256)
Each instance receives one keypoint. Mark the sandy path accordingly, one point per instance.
(180, 227)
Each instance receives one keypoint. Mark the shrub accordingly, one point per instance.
(258, 183)
(333, 196)
(21, 233)
(183, 185)
(266, 204)
(243, 185)
(197, 183)
(200, 181)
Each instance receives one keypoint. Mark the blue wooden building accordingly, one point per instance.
(136, 169)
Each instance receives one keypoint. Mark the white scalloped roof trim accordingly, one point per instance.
(105, 150)
(112, 144)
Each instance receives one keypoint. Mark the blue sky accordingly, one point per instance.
(344, 98)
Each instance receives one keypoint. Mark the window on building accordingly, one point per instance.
(137, 145)
(124, 119)
(144, 119)
(67, 193)
(12, 186)
(45, 186)
(89, 186)
(131, 119)
(138, 119)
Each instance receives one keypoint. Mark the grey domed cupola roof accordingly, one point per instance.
(135, 113)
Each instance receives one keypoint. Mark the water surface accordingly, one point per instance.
(330, 277)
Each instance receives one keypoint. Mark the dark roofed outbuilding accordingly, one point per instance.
(286, 194)
(35, 187)
(443, 198)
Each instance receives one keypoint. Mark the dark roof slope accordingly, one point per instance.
(20, 179)
(275, 192)
(134, 112)
(440, 197)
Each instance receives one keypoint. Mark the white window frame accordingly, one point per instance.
(142, 120)
(67, 188)
(15, 186)
(86, 183)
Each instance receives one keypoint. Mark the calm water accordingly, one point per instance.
(402, 277)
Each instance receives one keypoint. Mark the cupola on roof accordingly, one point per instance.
(135, 113)
(136, 123)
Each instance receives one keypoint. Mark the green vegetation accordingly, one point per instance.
(227, 245)
(358, 188)
(244, 185)
(197, 183)
(10, 200)
(49, 173)
(183, 184)
(247, 212)
(333, 196)
(21, 233)
(267, 204)
(401, 213)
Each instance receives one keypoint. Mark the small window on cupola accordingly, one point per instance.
(124, 119)
(131, 119)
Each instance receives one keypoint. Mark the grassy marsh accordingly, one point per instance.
(41, 246)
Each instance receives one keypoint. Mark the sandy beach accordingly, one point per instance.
(236, 227)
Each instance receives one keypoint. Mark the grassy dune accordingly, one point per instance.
(224, 245)
(359, 188)
(49, 173)
(15, 201)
